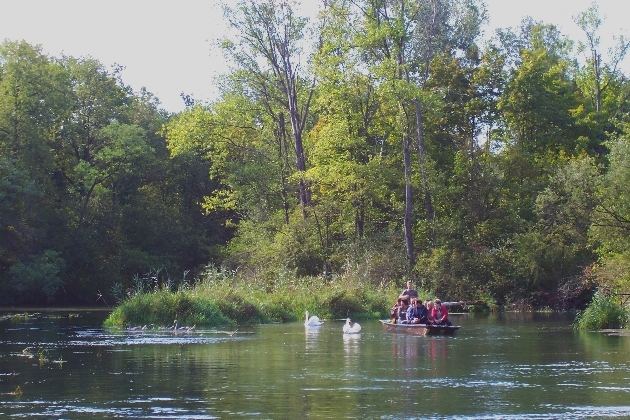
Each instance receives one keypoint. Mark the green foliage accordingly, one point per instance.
(38, 278)
(83, 174)
(612, 216)
(602, 312)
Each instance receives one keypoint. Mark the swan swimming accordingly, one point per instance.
(313, 321)
(351, 329)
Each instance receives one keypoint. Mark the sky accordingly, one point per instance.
(166, 46)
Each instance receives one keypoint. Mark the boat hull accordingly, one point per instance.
(420, 329)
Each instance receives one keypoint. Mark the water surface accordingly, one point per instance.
(498, 366)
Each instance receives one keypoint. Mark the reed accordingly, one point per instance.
(221, 298)
(42, 356)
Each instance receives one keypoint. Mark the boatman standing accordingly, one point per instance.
(409, 291)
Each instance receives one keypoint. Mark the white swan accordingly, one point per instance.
(312, 321)
(351, 329)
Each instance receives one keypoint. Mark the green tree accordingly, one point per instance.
(352, 173)
(38, 279)
(400, 40)
(33, 106)
(603, 74)
(554, 253)
(33, 92)
(611, 223)
(540, 96)
(267, 49)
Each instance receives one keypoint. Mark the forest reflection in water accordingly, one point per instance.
(63, 364)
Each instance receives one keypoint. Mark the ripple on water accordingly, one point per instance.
(554, 412)
(65, 410)
(105, 338)
(147, 341)
(551, 369)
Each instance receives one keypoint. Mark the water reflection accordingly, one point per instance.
(433, 349)
(351, 344)
(311, 334)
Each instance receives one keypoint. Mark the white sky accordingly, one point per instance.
(165, 46)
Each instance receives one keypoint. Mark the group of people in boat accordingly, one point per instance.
(410, 309)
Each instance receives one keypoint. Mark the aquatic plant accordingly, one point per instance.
(42, 356)
(59, 362)
(17, 392)
(602, 312)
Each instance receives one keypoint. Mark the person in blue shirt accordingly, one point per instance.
(417, 313)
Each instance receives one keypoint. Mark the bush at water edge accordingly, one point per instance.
(602, 313)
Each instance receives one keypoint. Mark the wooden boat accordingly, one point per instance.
(420, 329)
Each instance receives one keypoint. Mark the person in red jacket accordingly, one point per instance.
(439, 313)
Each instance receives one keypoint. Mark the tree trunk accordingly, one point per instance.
(282, 156)
(428, 206)
(408, 220)
(297, 128)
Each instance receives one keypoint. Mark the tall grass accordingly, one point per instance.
(162, 307)
(221, 297)
(602, 313)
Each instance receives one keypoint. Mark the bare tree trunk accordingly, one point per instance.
(282, 155)
(297, 128)
(408, 220)
(359, 218)
(428, 205)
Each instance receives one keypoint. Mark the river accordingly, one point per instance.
(64, 364)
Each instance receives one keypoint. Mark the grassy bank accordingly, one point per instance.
(221, 299)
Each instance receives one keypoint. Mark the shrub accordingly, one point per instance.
(601, 313)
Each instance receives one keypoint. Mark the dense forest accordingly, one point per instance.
(387, 140)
